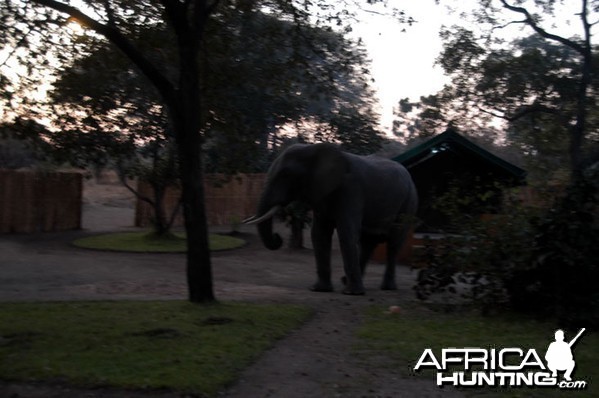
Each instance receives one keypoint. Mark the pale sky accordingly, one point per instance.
(403, 61)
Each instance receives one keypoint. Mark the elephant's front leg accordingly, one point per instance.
(322, 234)
(350, 250)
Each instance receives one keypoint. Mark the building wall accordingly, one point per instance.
(229, 200)
(39, 202)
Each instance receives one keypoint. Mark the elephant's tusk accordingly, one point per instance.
(257, 220)
(249, 219)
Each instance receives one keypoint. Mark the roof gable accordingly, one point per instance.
(451, 140)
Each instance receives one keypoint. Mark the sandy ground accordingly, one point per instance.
(316, 360)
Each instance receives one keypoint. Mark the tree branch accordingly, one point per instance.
(533, 24)
(530, 109)
(521, 112)
(17, 46)
(174, 213)
(202, 10)
(175, 16)
(109, 14)
(123, 178)
(112, 33)
(524, 21)
(493, 113)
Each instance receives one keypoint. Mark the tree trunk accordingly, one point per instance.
(189, 143)
(159, 221)
(199, 268)
(187, 110)
(579, 129)
(188, 20)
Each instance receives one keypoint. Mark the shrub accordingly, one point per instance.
(562, 278)
(543, 263)
(477, 263)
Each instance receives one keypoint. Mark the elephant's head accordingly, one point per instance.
(308, 173)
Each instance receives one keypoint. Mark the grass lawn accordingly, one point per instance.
(175, 345)
(148, 242)
(403, 337)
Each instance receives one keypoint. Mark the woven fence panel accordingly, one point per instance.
(229, 200)
(39, 202)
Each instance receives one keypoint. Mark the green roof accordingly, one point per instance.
(451, 140)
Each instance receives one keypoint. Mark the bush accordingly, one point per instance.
(562, 278)
(540, 263)
(477, 263)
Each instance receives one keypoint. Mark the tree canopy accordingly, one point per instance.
(246, 104)
(540, 84)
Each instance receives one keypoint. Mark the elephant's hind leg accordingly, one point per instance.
(389, 277)
(397, 238)
(393, 245)
(367, 246)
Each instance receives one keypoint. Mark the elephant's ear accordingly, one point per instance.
(330, 167)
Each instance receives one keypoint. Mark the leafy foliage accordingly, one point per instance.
(560, 282)
(541, 87)
(482, 251)
(320, 75)
(21, 144)
(542, 262)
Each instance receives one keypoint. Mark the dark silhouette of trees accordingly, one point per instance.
(541, 85)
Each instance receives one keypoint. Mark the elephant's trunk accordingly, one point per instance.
(270, 240)
(264, 221)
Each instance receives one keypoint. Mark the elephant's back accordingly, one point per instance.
(373, 170)
(386, 189)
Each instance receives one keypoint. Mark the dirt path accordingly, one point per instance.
(320, 360)
(317, 360)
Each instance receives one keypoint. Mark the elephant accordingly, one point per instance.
(367, 199)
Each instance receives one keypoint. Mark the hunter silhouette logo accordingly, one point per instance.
(505, 367)
(559, 355)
